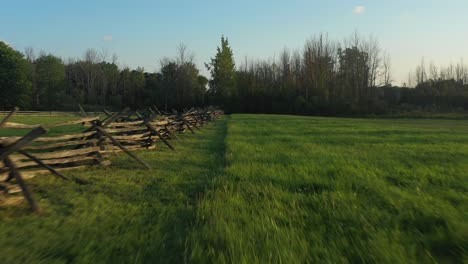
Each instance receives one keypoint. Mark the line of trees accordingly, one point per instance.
(47, 82)
(337, 78)
(326, 77)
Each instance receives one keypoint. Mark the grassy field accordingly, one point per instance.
(34, 120)
(261, 189)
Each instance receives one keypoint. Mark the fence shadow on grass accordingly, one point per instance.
(128, 214)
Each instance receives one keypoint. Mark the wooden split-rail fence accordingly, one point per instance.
(40, 152)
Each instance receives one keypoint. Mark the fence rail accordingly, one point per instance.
(23, 157)
(48, 113)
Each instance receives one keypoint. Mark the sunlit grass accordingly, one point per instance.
(127, 214)
(262, 189)
(300, 189)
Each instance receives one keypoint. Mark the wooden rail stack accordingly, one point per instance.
(39, 152)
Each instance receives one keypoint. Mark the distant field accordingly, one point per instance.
(262, 189)
(40, 119)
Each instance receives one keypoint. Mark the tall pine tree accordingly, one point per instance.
(223, 74)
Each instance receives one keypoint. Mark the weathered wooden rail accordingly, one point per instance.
(38, 153)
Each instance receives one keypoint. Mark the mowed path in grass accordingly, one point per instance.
(262, 189)
(313, 190)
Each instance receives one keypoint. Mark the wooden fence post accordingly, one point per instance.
(117, 143)
(5, 151)
(24, 188)
(188, 126)
(82, 111)
(20, 143)
(154, 130)
(10, 115)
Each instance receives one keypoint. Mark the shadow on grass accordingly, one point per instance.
(126, 215)
(199, 162)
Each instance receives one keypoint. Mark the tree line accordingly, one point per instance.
(47, 82)
(326, 77)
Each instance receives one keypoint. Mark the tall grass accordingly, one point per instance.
(262, 189)
(302, 190)
(127, 214)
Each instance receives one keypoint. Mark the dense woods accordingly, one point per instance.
(354, 77)
(326, 77)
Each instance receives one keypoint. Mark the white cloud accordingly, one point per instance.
(107, 38)
(359, 10)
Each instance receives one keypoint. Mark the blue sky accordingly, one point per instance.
(143, 32)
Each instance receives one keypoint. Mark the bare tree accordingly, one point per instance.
(433, 72)
(90, 72)
(460, 71)
(103, 54)
(115, 58)
(183, 56)
(371, 47)
(91, 55)
(285, 64)
(386, 70)
(319, 58)
(421, 74)
(411, 80)
(296, 68)
(354, 40)
(30, 55)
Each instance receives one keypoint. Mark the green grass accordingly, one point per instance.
(40, 120)
(126, 215)
(300, 189)
(262, 189)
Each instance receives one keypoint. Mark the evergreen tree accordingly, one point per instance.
(223, 73)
